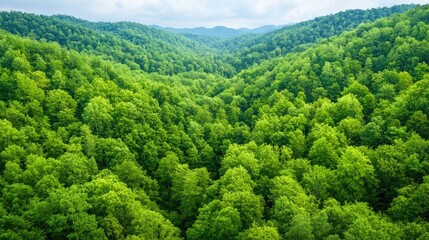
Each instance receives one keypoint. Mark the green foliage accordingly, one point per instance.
(329, 141)
(300, 36)
(260, 233)
(411, 202)
(136, 45)
(355, 176)
(216, 221)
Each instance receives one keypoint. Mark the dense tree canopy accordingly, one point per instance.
(329, 141)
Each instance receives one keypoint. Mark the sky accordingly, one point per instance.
(197, 13)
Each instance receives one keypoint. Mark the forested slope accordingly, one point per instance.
(154, 50)
(254, 49)
(327, 143)
(245, 50)
(136, 45)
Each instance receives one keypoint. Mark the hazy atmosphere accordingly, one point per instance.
(195, 13)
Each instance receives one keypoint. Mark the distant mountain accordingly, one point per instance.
(220, 31)
(267, 28)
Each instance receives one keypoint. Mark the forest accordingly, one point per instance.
(317, 130)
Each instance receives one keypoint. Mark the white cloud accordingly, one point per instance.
(191, 13)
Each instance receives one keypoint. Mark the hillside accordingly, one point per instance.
(155, 50)
(136, 45)
(328, 142)
(249, 51)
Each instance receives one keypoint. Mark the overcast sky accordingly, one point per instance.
(193, 13)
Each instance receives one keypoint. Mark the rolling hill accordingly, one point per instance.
(220, 31)
(325, 141)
